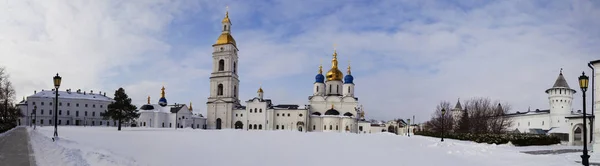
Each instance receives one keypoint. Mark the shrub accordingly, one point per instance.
(515, 139)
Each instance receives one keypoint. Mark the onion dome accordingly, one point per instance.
(162, 101)
(225, 37)
(260, 90)
(349, 79)
(320, 78)
(334, 74)
(332, 111)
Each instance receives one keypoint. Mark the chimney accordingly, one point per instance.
(83, 92)
(104, 93)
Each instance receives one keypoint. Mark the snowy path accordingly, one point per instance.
(14, 148)
(141, 146)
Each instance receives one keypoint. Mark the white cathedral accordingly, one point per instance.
(332, 106)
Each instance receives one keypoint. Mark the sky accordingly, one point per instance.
(406, 55)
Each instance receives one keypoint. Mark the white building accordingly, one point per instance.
(74, 108)
(595, 89)
(332, 107)
(162, 115)
(559, 120)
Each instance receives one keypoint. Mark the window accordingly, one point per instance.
(93, 122)
(59, 112)
(260, 110)
(170, 125)
(330, 89)
(59, 122)
(314, 127)
(241, 115)
(163, 124)
(77, 105)
(93, 113)
(288, 114)
(360, 128)
(42, 112)
(50, 112)
(317, 89)
(255, 110)
(348, 89)
(42, 121)
(542, 123)
(100, 123)
(260, 126)
(69, 104)
(330, 127)
(77, 113)
(50, 103)
(85, 114)
(60, 104)
(255, 126)
(100, 106)
(42, 103)
(282, 127)
(221, 65)
(235, 115)
(249, 126)
(337, 88)
(277, 114)
(324, 127)
(34, 103)
(276, 126)
(336, 127)
(300, 115)
(528, 123)
(86, 105)
(144, 123)
(234, 68)
(220, 90)
(94, 106)
(49, 121)
(234, 91)
(224, 29)
(68, 112)
(67, 122)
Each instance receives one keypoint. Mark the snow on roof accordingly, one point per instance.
(72, 95)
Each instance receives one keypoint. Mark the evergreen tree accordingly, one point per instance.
(463, 123)
(121, 109)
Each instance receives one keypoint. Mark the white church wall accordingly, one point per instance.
(365, 126)
(526, 122)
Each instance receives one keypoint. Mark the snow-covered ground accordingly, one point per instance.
(161, 147)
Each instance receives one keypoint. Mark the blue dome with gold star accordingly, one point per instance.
(162, 101)
(349, 79)
(320, 78)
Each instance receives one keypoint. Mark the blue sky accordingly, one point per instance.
(406, 56)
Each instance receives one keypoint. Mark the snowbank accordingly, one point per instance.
(142, 146)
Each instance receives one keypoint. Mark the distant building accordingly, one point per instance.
(77, 108)
(162, 115)
(559, 120)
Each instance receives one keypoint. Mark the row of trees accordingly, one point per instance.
(477, 116)
(9, 113)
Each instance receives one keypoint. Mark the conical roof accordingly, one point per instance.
(561, 82)
(458, 106)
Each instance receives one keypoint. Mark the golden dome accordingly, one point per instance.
(260, 90)
(225, 38)
(334, 74)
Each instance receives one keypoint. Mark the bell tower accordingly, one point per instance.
(224, 81)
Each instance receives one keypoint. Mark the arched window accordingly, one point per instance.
(542, 123)
(234, 91)
(348, 89)
(255, 110)
(336, 127)
(224, 27)
(314, 127)
(277, 127)
(234, 68)
(337, 88)
(317, 89)
(76, 113)
(324, 127)
(282, 127)
(221, 65)
(249, 126)
(163, 124)
(260, 126)
(330, 89)
(288, 114)
(254, 126)
(260, 110)
(330, 127)
(220, 90)
(170, 125)
(144, 123)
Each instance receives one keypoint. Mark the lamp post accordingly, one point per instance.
(443, 116)
(408, 127)
(583, 83)
(34, 116)
(57, 80)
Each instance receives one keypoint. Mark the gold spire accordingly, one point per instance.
(226, 19)
(320, 69)
(260, 90)
(190, 107)
(148, 99)
(162, 93)
(349, 73)
(334, 74)
(331, 106)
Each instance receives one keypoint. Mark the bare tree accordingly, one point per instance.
(439, 122)
(498, 122)
(8, 112)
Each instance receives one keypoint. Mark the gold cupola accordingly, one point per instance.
(334, 74)
(225, 37)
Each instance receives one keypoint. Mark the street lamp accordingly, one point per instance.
(57, 80)
(408, 129)
(34, 116)
(583, 83)
(443, 113)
